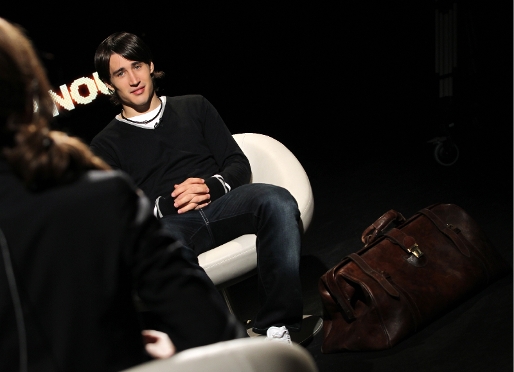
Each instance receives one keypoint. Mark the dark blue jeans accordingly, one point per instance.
(271, 213)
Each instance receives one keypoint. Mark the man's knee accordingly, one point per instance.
(280, 201)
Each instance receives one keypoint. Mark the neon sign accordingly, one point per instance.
(82, 91)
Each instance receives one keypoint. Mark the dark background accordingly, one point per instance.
(342, 80)
(351, 89)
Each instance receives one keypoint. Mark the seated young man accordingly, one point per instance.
(181, 154)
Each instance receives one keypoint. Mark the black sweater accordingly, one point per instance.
(191, 141)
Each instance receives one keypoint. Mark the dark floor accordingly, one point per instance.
(476, 335)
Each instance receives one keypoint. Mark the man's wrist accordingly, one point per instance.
(164, 206)
(216, 189)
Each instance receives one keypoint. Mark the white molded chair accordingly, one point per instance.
(240, 355)
(271, 162)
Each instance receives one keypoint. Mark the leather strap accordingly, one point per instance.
(446, 230)
(403, 240)
(379, 278)
(330, 282)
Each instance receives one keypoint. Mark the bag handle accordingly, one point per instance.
(371, 233)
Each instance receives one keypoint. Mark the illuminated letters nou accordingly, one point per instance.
(74, 94)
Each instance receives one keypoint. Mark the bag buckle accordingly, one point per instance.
(452, 227)
(415, 250)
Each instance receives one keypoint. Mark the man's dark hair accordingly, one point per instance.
(127, 45)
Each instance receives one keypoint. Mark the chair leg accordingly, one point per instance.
(225, 295)
(232, 308)
(241, 299)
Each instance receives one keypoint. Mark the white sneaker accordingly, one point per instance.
(279, 334)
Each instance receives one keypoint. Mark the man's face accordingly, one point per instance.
(132, 81)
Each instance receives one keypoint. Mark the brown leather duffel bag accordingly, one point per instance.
(404, 277)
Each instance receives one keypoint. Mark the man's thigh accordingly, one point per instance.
(234, 214)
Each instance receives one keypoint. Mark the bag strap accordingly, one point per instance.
(406, 242)
(447, 229)
(330, 282)
(379, 278)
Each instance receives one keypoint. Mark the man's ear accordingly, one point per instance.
(151, 67)
(109, 86)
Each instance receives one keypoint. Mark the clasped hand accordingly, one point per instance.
(191, 194)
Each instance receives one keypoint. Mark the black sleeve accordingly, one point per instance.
(106, 156)
(104, 147)
(234, 165)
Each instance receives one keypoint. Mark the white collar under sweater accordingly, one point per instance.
(148, 115)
